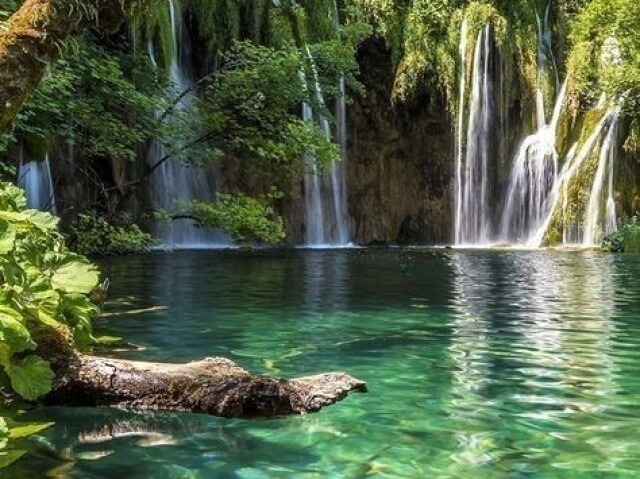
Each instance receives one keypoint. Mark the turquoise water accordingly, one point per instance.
(480, 364)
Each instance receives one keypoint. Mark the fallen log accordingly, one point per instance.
(214, 386)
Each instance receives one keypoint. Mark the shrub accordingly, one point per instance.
(94, 235)
(626, 239)
(43, 294)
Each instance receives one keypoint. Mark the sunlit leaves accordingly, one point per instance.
(43, 287)
(7, 236)
(74, 274)
(14, 335)
(605, 54)
(31, 377)
(242, 217)
(11, 435)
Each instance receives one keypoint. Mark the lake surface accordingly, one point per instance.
(480, 364)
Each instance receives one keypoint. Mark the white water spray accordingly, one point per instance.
(473, 185)
(35, 178)
(175, 182)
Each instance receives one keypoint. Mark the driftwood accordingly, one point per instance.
(214, 386)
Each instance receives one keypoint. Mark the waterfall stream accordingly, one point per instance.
(327, 223)
(473, 185)
(35, 178)
(545, 192)
(176, 182)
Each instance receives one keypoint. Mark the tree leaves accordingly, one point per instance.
(10, 432)
(14, 335)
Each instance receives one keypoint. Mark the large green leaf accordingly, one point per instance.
(9, 457)
(28, 429)
(14, 336)
(4, 433)
(31, 378)
(78, 311)
(74, 274)
(42, 220)
(7, 236)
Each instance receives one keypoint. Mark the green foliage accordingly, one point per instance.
(43, 287)
(250, 108)
(424, 36)
(12, 435)
(94, 235)
(626, 239)
(88, 102)
(605, 54)
(242, 217)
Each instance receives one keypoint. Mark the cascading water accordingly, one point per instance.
(535, 168)
(534, 173)
(545, 194)
(595, 222)
(325, 199)
(572, 224)
(473, 185)
(35, 178)
(175, 182)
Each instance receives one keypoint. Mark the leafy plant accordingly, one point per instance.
(43, 293)
(244, 218)
(626, 239)
(99, 100)
(12, 434)
(94, 235)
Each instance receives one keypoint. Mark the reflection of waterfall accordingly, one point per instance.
(326, 281)
(470, 355)
(531, 344)
(35, 178)
(325, 200)
(473, 186)
(569, 343)
(175, 183)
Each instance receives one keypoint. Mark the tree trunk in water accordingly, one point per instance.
(32, 38)
(214, 386)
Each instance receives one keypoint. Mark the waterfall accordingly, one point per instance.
(595, 223)
(535, 167)
(460, 132)
(533, 175)
(575, 162)
(175, 182)
(325, 200)
(35, 178)
(546, 195)
(473, 185)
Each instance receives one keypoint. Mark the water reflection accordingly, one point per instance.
(326, 283)
(531, 343)
(480, 365)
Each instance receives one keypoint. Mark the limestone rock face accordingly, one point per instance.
(400, 160)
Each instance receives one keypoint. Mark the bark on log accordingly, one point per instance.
(214, 386)
(31, 39)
